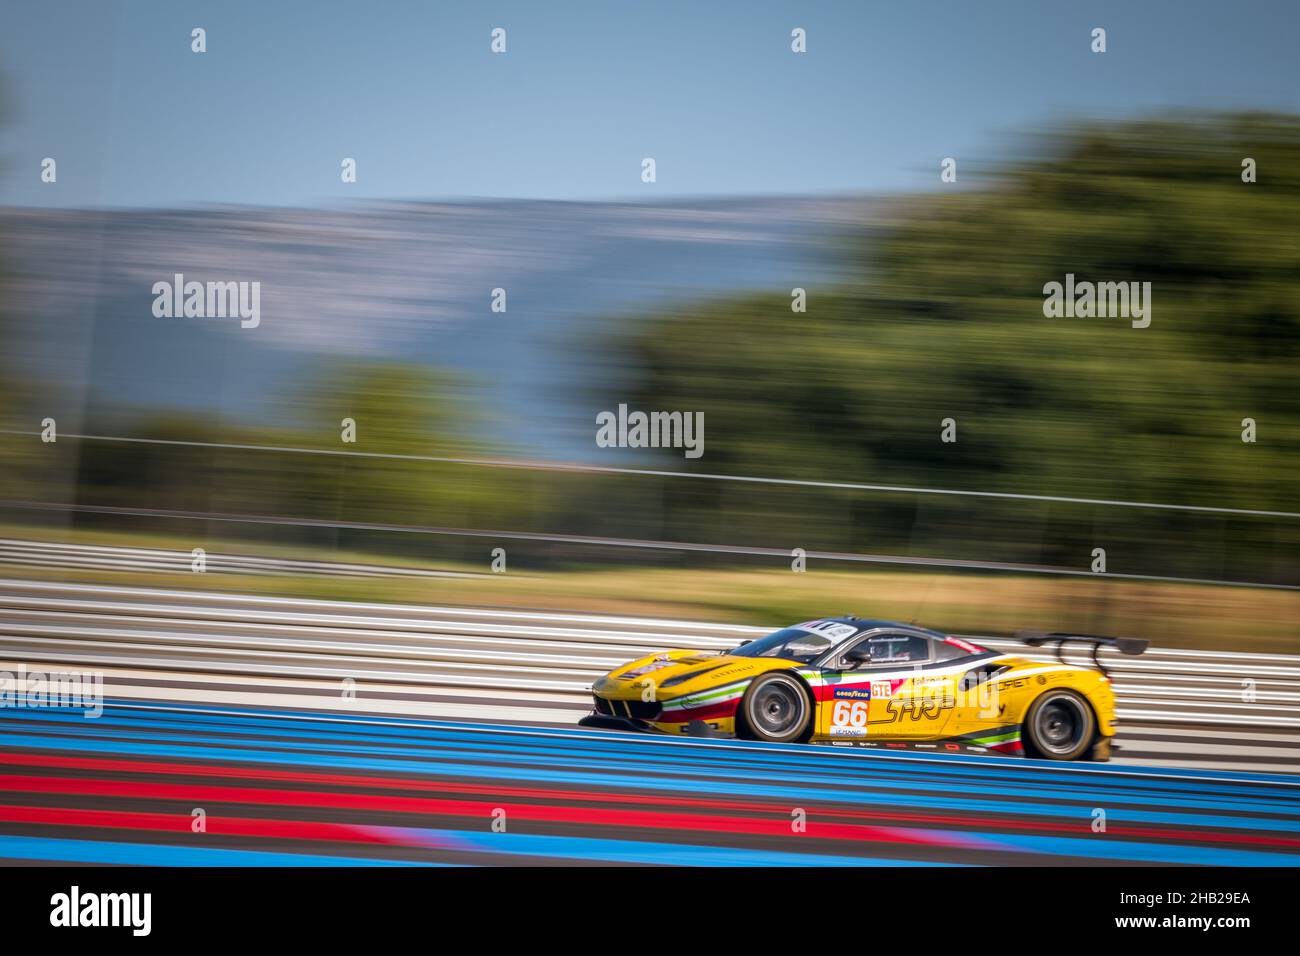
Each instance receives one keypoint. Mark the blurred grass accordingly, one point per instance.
(1170, 615)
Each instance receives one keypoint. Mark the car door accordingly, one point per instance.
(897, 695)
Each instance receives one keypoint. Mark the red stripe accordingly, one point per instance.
(215, 824)
(201, 794)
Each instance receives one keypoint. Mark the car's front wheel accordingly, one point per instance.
(776, 708)
(1059, 725)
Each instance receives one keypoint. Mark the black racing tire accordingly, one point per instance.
(1059, 725)
(776, 708)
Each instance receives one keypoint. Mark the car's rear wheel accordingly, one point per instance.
(776, 708)
(1059, 725)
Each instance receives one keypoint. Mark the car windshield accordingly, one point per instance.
(792, 643)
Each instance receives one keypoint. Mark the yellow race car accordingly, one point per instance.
(855, 682)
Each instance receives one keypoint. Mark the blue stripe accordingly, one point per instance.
(627, 851)
(989, 767)
(686, 760)
(160, 854)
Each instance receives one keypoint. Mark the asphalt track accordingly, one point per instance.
(459, 718)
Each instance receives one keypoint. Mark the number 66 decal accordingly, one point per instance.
(849, 713)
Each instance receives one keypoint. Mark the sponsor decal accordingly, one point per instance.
(919, 708)
(835, 630)
(853, 693)
(947, 747)
(966, 646)
(883, 688)
(729, 671)
(848, 731)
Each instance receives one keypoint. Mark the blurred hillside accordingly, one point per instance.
(407, 281)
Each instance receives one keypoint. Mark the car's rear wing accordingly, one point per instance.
(1131, 646)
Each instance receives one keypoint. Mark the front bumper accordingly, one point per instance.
(605, 722)
(641, 716)
(614, 714)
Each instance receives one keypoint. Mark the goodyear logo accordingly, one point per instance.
(852, 693)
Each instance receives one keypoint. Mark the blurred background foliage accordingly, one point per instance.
(940, 316)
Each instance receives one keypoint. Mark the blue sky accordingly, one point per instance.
(711, 90)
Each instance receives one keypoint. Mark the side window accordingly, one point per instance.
(887, 649)
(943, 651)
(898, 649)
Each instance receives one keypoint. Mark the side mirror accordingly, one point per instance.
(858, 656)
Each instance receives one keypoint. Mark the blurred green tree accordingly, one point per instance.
(943, 318)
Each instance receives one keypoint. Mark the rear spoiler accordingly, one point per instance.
(1131, 646)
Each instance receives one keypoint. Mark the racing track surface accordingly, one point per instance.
(310, 789)
(234, 705)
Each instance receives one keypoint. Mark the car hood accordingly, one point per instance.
(683, 672)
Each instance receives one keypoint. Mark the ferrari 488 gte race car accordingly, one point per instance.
(856, 682)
